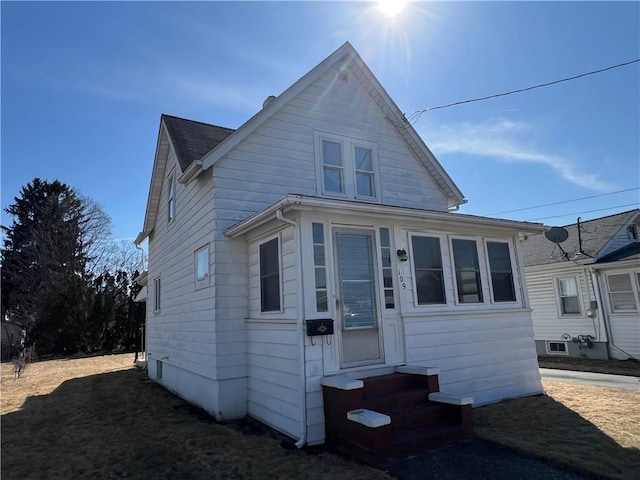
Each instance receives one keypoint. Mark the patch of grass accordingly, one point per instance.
(67, 419)
(595, 430)
(99, 417)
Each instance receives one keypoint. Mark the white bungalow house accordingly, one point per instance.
(316, 247)
(585, 290)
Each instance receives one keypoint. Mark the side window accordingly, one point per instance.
(171, 198)
(270, 276)
(319, 263)
(202, 267)
(428, 272)
(467, 266)
(621, 294)
(387, 271)
(568, 296)
(333, 169)
(156, 295)
(501, 272)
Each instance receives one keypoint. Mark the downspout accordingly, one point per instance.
(303, 364)
(595, 279)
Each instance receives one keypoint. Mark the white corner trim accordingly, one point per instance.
(342, 383)
(450, 399)
(414, 370)
(369, 418)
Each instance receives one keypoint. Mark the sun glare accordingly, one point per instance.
(391, 8)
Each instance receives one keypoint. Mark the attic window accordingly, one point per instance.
(632, 233)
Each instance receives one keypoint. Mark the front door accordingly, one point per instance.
(357, 304)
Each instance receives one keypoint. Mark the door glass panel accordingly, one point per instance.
(355, 260)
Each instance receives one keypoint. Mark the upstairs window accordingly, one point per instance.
(501, 272)
(468, 283)
(428, 271)
(171, 198)
(156, 294)
(270, 276)
(568, 296)
(348, 168)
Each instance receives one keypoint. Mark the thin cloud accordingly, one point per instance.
(504, 140)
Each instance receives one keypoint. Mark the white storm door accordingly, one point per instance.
(357, 303)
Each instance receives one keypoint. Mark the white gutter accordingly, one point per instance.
(301, 314)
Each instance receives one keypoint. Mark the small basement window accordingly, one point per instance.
(557, 348)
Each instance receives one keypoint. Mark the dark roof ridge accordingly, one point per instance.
(602, 218)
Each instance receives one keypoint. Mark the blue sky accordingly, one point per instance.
(84, 84)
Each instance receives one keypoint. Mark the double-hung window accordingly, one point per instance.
(202, 267)
(270, 276)
(467, 264)
(347, 168)
(621, 292)
(568, 296)
(502, 284)
(428, 271)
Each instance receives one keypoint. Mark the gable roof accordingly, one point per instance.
(192, 140)
(198, 146)
(595, 235)
(348, 59)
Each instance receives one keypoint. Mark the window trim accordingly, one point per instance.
(204, 282)
(348, 147)
(635, 289)
(482, 272)
(514, 277)
(157, 295)
(445, 265)
(262, 242)
(558, 292)
(548, 343)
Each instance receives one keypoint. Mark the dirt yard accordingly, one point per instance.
(100, 417)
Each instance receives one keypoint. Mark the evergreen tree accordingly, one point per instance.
(47, 258)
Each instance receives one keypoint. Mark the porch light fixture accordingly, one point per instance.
(402, 255)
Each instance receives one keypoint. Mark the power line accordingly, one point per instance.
(415, 116)
(565, 201)
(582, 213)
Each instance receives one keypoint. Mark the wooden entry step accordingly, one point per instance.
(384, 418)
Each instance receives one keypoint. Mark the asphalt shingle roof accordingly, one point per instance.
(537, 250)
(193, 140)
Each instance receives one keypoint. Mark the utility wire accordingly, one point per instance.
(565, 201)
(415, 116)
(582, 213)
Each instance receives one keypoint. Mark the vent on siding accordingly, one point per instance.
(268, 101)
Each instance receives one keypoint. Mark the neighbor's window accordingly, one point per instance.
(465, 257)
(319, 263)
(270, 276)
(568, 296)
(557, 348)
(171, 198)
(202, 266)
(333, 168)
(621, 292)
(427, 265)
(387, 271)
(156, 294)
(501, 272)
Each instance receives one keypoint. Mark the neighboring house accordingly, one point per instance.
(325, 213)
(585, 290)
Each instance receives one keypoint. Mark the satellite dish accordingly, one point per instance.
(556, 234)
